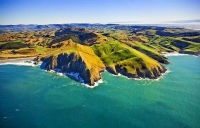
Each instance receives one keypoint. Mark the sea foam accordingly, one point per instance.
(166, 54)
(157, 79)
(76, 76)
(95, 84)
(21, 63)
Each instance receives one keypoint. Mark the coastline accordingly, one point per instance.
(166, 54)
(16, 59)
(20, 61)
(75, 76)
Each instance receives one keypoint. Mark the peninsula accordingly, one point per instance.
(83, 51)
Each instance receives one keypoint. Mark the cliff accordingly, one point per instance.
(137, 68)
(86, 62)
(76, 59)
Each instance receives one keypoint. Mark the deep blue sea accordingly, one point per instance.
(33, 98)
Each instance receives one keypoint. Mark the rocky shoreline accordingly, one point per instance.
(72, 63)
(17, 59)
(67, 65)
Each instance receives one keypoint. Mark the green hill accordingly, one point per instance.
(123, 59)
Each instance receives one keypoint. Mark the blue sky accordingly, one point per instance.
(96, 11)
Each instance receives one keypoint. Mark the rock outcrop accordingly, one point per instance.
(140, 70)
(87, 66)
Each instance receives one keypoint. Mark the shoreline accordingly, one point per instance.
(100, 80)
(74, 76)
(146, 78)
(16, 59)
(166, 54)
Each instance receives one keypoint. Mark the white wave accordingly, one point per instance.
(95, 84)
(87, 85)
(60, 74)
(117, 74)
(98, 82)
(140, 78)
(21, 63)
(76, 76)
(166, 54)
(120, 75)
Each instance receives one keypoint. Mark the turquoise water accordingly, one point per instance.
(31, 97)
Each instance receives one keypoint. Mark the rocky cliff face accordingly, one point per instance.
(137, 71)
(75, 63)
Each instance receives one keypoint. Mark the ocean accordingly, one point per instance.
(33, 98)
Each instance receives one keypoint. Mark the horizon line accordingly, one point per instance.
(120, 23)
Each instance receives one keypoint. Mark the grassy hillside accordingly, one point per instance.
(120, 58)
